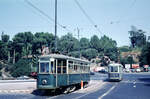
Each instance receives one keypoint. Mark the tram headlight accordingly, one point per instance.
(44, 82)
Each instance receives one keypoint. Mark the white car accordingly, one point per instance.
(23, 78)
(127, 70)
(138, 70)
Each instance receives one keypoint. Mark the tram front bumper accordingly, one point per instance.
(45, 87)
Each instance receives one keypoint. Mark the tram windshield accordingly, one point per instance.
(44, 67)
(113, 69)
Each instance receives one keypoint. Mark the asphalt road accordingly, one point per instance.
(133, 86)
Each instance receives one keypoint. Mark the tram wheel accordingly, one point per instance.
(66, 90)
(72, 88)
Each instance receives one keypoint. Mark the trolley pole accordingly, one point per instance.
(55, 25)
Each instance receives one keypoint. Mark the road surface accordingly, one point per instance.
(133, 86)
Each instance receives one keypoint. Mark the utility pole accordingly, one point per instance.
(78, 31)
(55, 25)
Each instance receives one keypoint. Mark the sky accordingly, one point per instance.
(113, 18)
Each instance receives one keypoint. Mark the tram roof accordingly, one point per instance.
(115, 64)
(63, 57)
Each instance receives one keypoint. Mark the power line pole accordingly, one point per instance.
(78, 31)
(55, 25)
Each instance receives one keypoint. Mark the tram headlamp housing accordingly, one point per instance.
(44, 81)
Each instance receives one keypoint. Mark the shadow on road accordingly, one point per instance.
(146, 80)
(50, 92)
(46, 92)
(107, 80)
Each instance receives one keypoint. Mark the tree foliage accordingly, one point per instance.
(84, 43)
(89, 53)
(95, 43)
(145, 55)
(109, 48)
(124, 49)
(137, 37)
(68, 44)
(27, 43)
(22, 67)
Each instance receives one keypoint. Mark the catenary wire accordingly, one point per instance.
(44, 14)
(88, 17)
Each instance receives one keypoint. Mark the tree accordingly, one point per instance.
(84, 43)
(4, 49)
(5, 38)
(137, 37)
(95, 43)
(145, 55)
(68, 43)
(89, 53)
(42, 39)
(22, 43)
(109, 48)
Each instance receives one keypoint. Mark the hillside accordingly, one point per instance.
(134, 53)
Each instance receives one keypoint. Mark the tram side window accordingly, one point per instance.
(61, 66)
(78, 67)
(75, 67)
(53, 67)
(70, 64)
(44, 67)
(120, 69)
(64, 66)
(81, 67)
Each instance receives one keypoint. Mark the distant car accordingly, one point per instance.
(23, 78)
(92, 73)
(133, 70)
(127, 70)
(138, 70)
(102, 71)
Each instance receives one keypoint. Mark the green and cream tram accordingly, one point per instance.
(115, 72)
(57, 71)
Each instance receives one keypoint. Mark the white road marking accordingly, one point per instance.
(107, 91)
(134, 86)
(134, 82)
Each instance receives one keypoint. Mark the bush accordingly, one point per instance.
(22, 67)
(1, 66)
(124, 49)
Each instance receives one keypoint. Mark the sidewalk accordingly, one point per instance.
(17, 87)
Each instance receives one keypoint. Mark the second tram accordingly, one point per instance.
(115, 72)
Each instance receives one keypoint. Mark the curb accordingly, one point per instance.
(16, 91)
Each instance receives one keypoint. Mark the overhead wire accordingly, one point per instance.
(44, 14)
(88, 17)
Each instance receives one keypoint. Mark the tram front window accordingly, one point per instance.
(113, 69)
(44, 67)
